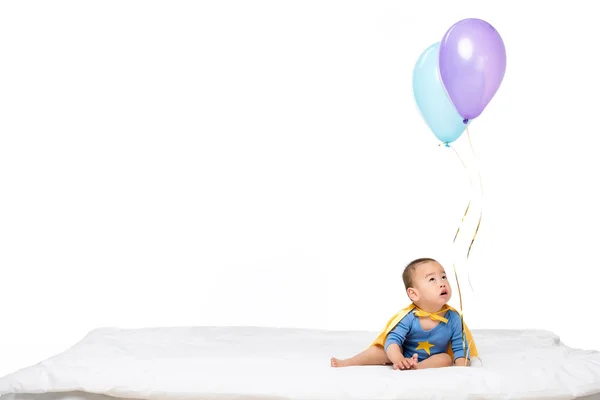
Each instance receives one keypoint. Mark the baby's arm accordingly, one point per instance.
(393, 343)
(458, 347)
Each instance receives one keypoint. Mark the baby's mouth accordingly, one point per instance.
(444, 293)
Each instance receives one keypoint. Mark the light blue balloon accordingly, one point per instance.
(432, 100)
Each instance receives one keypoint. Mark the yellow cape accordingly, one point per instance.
(380, 340)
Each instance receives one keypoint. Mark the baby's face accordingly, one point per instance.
(431, 284)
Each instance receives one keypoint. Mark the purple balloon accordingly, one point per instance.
(472, 62)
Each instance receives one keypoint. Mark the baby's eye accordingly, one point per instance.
(431, 279)
(444, 277)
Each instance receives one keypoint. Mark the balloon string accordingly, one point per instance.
(472, 240)
(462, 322)
(481, 206)
(475, 156)
(465, 213)
(478, 224)
(468, 205)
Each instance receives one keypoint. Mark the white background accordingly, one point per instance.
(264, 163)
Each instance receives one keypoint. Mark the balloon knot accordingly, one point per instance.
(465, 121)
(447, 144)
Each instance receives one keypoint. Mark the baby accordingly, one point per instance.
(427, 333)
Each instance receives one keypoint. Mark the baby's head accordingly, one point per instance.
(426, 284)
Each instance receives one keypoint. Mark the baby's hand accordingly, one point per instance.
(407, 363)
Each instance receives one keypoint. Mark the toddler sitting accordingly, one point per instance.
(426, 334)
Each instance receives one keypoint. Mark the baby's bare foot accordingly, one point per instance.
(339, 363)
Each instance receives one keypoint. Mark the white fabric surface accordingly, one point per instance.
(269, 363)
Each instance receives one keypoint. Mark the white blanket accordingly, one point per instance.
(269, 363)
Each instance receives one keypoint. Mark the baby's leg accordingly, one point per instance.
(374, 355)
(436, 361)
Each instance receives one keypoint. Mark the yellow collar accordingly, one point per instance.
(434, 315)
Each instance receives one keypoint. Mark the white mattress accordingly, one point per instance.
(269, 363)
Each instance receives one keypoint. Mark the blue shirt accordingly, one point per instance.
(411, 337)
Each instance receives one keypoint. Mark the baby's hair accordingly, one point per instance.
(409, 271)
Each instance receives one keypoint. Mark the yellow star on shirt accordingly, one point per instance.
(425, 346)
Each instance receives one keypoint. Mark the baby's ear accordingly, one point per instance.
(412, 294)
